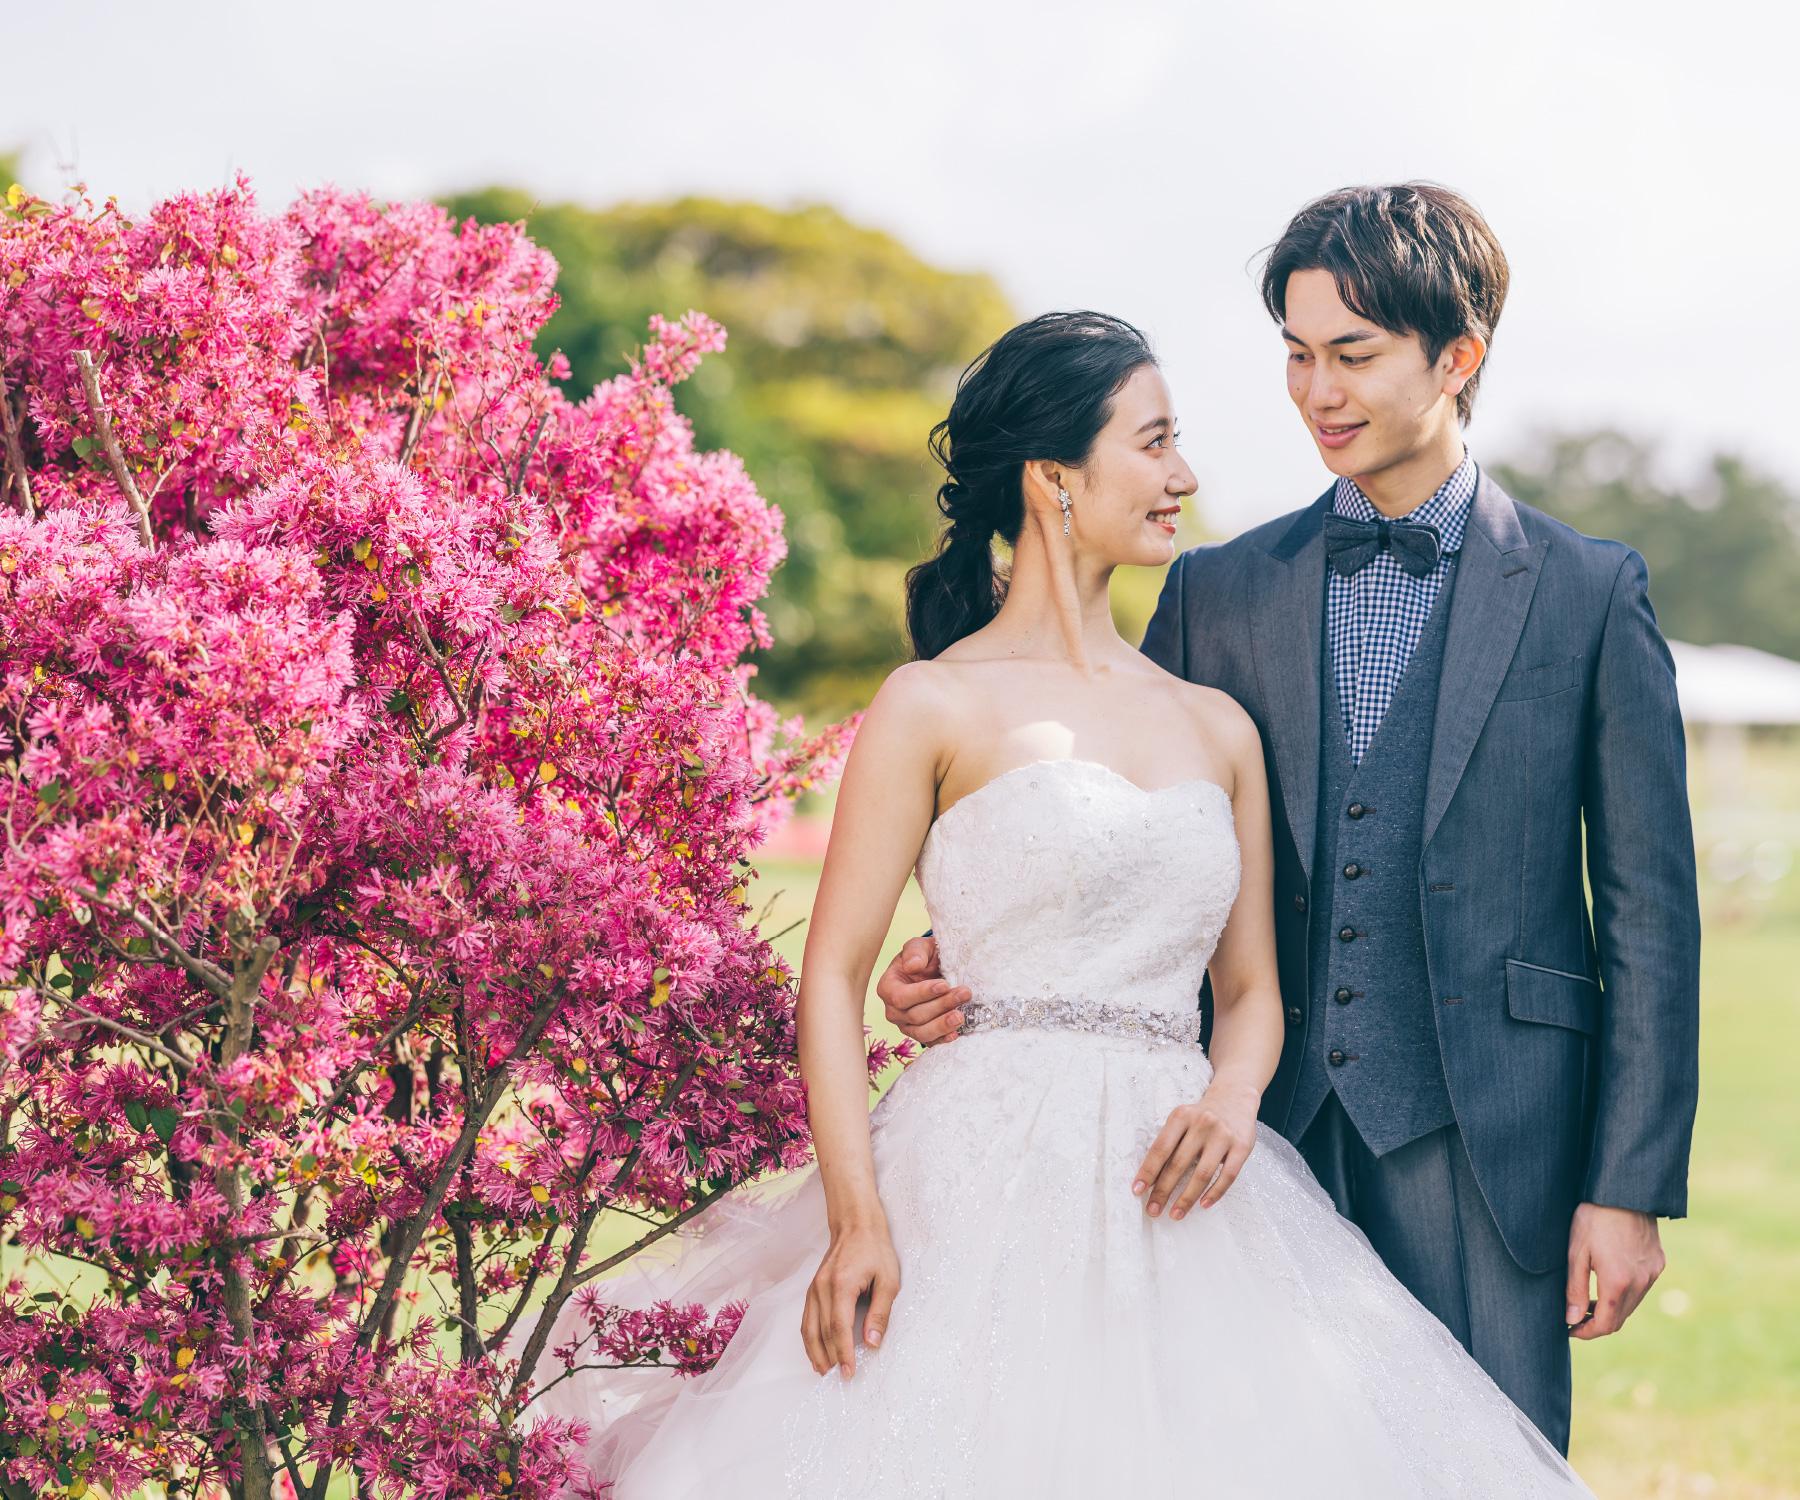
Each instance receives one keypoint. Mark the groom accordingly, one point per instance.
(1460, 701)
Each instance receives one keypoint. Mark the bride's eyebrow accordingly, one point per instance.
(1155, 422)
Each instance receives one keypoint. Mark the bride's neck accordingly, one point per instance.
(1057, 603)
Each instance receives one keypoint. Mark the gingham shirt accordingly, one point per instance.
(1377, 615)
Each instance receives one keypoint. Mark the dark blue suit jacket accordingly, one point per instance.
(1570, 1043)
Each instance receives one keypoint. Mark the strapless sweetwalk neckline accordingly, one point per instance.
(1050, 1341)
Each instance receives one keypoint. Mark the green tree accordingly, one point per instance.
(1724, 554)
(845, 348)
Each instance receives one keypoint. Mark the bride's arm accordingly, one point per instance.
(1216, 1135)
(884, 809)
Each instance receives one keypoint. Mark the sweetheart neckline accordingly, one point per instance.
(1071, 760)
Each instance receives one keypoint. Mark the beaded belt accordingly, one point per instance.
(1097, 1016)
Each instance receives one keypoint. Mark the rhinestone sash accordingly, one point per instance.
(1102, 1018)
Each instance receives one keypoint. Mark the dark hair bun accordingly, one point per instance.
(1042, 390)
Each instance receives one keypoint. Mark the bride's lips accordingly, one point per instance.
(1166, 518)
(1338, 436)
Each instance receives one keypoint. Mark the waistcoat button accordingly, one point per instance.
(1352, 871)
(1348, 934)
(1342, 997)
(1335, 1058)
(1357, 809)
(1299, 902)
(1293, 1015)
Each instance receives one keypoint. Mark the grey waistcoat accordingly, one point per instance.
(1373, 1036)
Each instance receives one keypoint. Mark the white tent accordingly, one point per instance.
(1735, 685)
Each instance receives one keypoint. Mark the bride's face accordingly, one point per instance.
(1127, 497)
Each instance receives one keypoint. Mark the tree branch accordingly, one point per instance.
(15, 454)
(115, 455)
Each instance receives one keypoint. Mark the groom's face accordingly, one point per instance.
(1369, 396)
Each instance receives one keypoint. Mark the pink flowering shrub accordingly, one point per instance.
(378, 773)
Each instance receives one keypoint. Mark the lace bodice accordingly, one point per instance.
(1063, 881)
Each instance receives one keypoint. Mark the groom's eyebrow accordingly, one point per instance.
(1358, 336)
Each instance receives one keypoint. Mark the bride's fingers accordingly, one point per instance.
(1228, 1174)
(1160, 1148)
(811, 1335)
(840, 1340)
(881, 1307)
(1206, 1168)
(1174, 1168)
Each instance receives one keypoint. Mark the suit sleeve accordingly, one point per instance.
(1640, 854)
(1165, 642)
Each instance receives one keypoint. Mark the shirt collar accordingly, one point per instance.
(1447, 510)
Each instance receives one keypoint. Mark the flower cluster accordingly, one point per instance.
(378, 772)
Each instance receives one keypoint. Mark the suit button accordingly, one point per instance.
(1348, 934)
(1299, 903)
(1357, 809)
(1342, 997)
(1352, 871)
(1293, 1015)
(1335, 1058)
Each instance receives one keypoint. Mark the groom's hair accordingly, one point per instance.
(1414, 258)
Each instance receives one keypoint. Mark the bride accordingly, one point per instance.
(1061, 1259)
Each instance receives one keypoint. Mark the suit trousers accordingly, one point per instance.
(1424, 1213)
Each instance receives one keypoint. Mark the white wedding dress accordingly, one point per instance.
(1050, 1340)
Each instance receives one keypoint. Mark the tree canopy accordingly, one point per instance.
(845, 348)
(1723, 552)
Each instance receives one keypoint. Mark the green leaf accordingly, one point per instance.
(50, 793)
(84, 446)
(137, 1114)
(399, 702)
(163, 1122)
(9, 1186)
(46, 1296)
(508, 614)
(60, 981)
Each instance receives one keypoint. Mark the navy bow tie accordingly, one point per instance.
(1351, 545)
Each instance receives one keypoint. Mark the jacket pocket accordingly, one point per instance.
(1551, 997)
(1540, 682)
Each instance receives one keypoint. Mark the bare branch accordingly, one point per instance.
(15, 454)
(183, 1065)
(527, 455)
(115, 455)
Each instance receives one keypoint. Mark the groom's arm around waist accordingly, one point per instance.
(1640, 859)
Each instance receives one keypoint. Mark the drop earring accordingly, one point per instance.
(1062, 499)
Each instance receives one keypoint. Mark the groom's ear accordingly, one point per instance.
(1461, 362)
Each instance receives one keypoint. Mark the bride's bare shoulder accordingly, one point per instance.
(1216, 714)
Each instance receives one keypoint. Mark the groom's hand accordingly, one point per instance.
(916, 996)
(1622, 1252)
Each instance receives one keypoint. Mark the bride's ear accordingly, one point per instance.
(1041, 480)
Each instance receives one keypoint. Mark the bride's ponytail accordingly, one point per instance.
(1042, 390)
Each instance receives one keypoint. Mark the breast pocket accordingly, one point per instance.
(1540, 682)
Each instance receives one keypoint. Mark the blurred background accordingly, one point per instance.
(866, 196)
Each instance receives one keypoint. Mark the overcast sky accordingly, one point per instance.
(1639, 161)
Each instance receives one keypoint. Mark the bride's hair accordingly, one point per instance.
(1042, 390)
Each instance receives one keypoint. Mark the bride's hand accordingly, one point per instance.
(861, 1262)
(1214, 1137)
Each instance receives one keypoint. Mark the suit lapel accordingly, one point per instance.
(1496, 576)
(1287, 611)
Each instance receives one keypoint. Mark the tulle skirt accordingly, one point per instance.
(1050, 1340)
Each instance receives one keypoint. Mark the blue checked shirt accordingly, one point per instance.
(1377, 615)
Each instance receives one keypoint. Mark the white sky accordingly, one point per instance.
(1637, 160)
